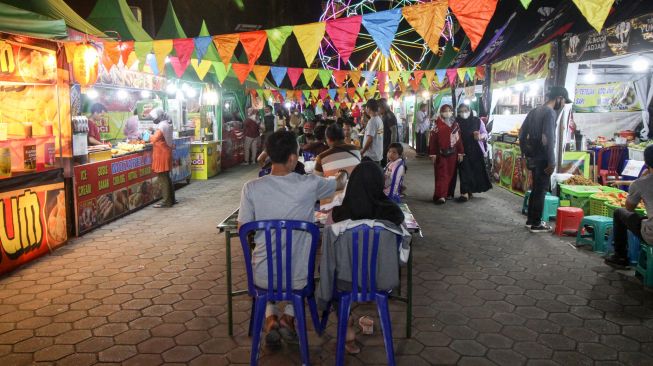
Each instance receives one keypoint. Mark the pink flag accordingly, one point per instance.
(293, 74)
(340, 76)
(343, 33)
(184, 48)
(452, 74)
(381, 77)
(178, 65)
(323, 94)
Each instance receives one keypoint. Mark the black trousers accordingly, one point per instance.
(625, 220)
(541, 185)
(167, 188)
(421, 143)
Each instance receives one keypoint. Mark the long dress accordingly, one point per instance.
(473, 173)
(445, 140)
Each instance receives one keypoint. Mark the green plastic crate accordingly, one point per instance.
(578, 196)
(597, 206)
(610, 209)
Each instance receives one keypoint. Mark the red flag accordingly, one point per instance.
(184, 48)
(298, 95)
(480, 72)
(323, 94)
(253, 43)
(474, 16)
(381, 77)
(343, 33)
(414, 84)
(351, 93)
(418, 75)
(293, 74)
(178, 65)
(340, 76)
(241, 71)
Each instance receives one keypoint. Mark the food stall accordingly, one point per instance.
(205, 150)
(33, 142)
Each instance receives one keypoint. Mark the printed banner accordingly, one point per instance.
(120, 76)
(109, 189)
(22, 63)
(610, 97)
(33, 217)
(528, 66)
(181, 160)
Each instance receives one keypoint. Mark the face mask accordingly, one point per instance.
(447, 115)
(558, 106)
(464, 115)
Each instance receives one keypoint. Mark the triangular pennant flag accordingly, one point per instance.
(323, 94)
(314, 92)
(369, 77)
(221, 70)
(261, 95)
(332, 94)
(355, 76)
(298, 95)
(341, 93)
(394, 76)
(414, 84)
(402, 87)
(525, 3)
(595, 11)
(426, 84)
(471, 72)
(418, 75)
(260, 73)
(339, 76)
(382, 26)
(282, 93)
(351, 93)
(480, 72)
(361, 91)
(405, 76)
(307, 94)
(142, 49)
(343, 33)
(241, 71)
(184, 49)
(150, 60)
(428, 20)
(382, 78)
(325, 76)
(179, 66)
(278, 73)
(126, 48)
(201, 67)
(451, 74)
(226, 45)
(201, 46)
(293, 74)
(372, 90)
(111, 54)
(310, 75)
(429, 75)
(267, 93)
(131, 60)
(474, 16)
(462, 72)
(309, 37)
(441, 73)
(276, 39)
(253, 43)
(337, 104)
(161, 49)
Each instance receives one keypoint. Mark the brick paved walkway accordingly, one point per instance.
(150, 289)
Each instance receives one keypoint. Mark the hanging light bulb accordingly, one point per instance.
(426, 94)
(122, 94)
(92, 94)
(640, 64)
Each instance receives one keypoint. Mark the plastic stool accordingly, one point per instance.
(524, 207)
(634, 245)
(644, 269)
(551, 204)
(601, 226)
(568, 220)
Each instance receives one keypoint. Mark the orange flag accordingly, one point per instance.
(111, 54)
(260, 72)
(253, 43)
(241, 71)
(340, 76)
(429, 75)
(355, 76)
(226, 45)
(428, 20)
(474, 16)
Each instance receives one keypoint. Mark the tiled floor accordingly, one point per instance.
(150, 289)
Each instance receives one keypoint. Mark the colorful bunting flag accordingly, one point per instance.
(525, 3)
(369, 76)
(241, 71)
(201, 67)
(428, 20)
(325, 76)
(310, 75)
(226, 45)
(293, 74)
(381, 77)
(323, 94)
(418, 75)
(150, 60)
(462, 72)
(343, 33)
(307, 94)
(429, 75)
(355, 76)
(394, 76)
(332, 94)
(126, 49)
(309, 37)
(161, 49)
(382, 26)
(141, 49)
(276, 39)
(314, 92)
(253, 43)
(480, 72)
(595, 11)
(184, 49)
(221, 70)
(414, 84)
(474, 17)
(278, 73)
(111, 54)
(471, 72)
(260, 73)
(361, 91)
(298, 95)
(178, 65)
(405, 76)
(351, 93)
(339, 76)
(441, 73)
(201, 46)
(451, 74)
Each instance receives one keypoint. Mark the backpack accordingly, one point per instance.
(532, 144)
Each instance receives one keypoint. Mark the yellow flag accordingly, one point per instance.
(394, 76)
(310, 75)
(355, 76)
(260, 72)
(595, 11)
(462, 71)
(428, 20)
(309, 37)
(201, 68)
(161, 49)
(429, 75)
(315, 93)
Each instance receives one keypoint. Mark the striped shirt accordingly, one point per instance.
(338, 157)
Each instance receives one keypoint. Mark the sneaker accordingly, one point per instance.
(617, 262)
(543, 227)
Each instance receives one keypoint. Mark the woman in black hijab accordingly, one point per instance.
(473, 174)
(364, 198)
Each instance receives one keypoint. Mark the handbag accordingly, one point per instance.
(448, 152)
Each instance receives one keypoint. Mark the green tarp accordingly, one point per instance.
(18, 21)
(57, 9)
(170, 27)
(115, 16)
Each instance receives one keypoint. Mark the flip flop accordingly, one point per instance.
(273, 338)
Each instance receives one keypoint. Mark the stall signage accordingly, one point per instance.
(609, 97)
(528, 66)
(32, 222)
(121, 76)
(181, 162)
(109, 189)
(22, 63)
(629, 36)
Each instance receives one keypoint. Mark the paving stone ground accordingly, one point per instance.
(149, 289)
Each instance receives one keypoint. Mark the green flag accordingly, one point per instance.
(221, 70)
(141, 49)
(276, 39)
(307, 94)
(325, 77)
(525, 3)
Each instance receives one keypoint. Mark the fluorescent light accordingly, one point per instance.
(426, 94)
(122, 94)
(287, 105)
(191, 93)
(92, 94)
(226, 106)
(145, 94)
(467, 101)
(640, 64)
(171, 88)
(590, 77)
(507, 112)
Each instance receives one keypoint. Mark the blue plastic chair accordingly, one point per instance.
(277, 289)
(308, 156)
(364, 289)
(394, 194)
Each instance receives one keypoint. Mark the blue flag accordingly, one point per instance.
(201, 45)
(332, 94)
(278, 73)
(382, 26)
(369, 76)
(442, 74)
(151, 61)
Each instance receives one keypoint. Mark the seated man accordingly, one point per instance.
(340, 155)
(626, 219)
(283, 195)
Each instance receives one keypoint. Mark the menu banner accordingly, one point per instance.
(528, 66)
(121, 76)
(181, 160)
(21, 63)
(32, 218)
(608, 97)
(109, 189)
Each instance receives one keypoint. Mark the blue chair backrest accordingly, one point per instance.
(264, 171)
(308, 156)
(394, 191)
(277, 290)
(364, 258)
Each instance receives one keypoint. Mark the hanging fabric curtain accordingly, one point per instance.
(428, 20)
(382, 26)
(343, 33)
(474, 16)
(276, 39)
(309, 37)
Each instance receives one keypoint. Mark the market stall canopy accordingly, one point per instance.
(18, 21)
(170, 27)
(116, 16)
(57, 9)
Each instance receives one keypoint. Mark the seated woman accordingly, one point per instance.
(364, 200)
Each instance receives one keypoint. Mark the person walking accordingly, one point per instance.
(162, 156)
(423, 123)
(472, 171)
(537, 142)
(252, 136)
(269, 123)
(446, 150)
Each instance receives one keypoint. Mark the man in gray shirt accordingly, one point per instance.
(283, 195)
(373, 142)
(537, 142)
